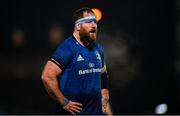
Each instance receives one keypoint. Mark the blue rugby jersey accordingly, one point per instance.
(80, 80)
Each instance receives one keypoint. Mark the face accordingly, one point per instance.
(88, 30)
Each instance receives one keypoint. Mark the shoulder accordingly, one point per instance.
(68, 43)
(64, 52)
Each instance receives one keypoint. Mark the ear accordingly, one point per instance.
(78, 27)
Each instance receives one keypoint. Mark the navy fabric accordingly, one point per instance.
(80, 80)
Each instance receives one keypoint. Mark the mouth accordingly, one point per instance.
(92, 31)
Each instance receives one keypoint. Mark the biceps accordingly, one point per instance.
(51, 70)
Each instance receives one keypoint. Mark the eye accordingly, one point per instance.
(88, 21)
(91, 22)
(95, 22)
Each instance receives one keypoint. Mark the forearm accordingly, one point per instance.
(50, 81)
(105, 84)
(109, 111)
(51, 85)
(105, 100)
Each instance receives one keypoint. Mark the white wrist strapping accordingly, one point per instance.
(106, 99)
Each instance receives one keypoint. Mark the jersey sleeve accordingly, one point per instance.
(62, 56)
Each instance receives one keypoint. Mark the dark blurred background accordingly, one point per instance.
(141, 39)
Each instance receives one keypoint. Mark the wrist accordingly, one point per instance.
(65, 102)
(106, 99)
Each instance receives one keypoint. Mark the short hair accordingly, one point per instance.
(78, 14)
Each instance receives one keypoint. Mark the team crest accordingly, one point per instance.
(97, 55)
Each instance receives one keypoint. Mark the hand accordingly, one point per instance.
(73, 107)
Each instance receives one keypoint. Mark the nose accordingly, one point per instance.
(94, 24)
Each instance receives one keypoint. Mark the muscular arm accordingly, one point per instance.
(104, 91)
(105, 94)
(50, 81)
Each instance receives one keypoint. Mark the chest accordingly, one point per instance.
(87, 62)
(89, 59)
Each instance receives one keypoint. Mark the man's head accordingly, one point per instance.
(85, 25)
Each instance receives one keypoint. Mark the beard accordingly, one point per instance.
(88, 38)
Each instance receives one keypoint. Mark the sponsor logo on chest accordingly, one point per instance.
(91, 65)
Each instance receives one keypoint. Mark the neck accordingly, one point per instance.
(77, 37)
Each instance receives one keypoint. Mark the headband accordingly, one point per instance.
(85, 19)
